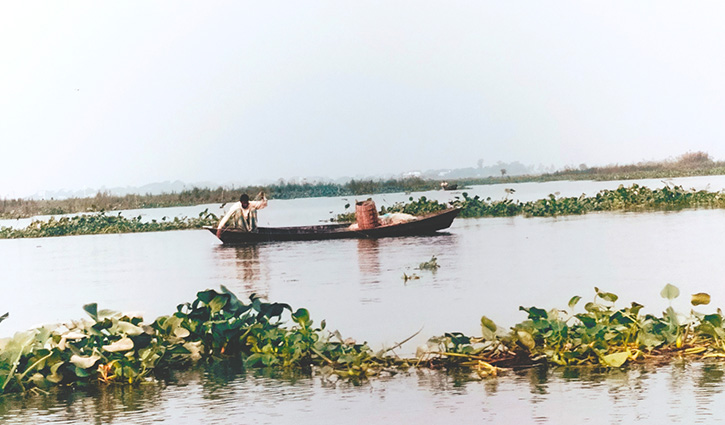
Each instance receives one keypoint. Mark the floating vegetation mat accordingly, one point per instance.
(113, 348)
(91, 224)
(632, 198)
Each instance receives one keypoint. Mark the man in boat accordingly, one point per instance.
(243, 214)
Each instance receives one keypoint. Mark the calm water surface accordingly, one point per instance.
(688, 394)
(488, 266)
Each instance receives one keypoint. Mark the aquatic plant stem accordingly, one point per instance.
(33, 366)
(467, 356)
(11, 373)
(400, 344)
(322, 355)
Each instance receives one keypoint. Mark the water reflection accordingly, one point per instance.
(218, 376)
(250, 274)
(368, 256)
(712, 377)
(98, 405)
(248, 262)
(538, 378)
(488, 266)
(216, 393)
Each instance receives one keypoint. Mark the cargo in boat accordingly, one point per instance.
(423, 225)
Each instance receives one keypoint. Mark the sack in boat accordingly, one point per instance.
(366, 214)
(396, 218)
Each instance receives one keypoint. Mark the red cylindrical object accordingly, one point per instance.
(366, 214)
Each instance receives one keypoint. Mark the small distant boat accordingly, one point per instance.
(448, 186)
(423, 225)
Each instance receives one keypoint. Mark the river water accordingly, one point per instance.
(488, 267)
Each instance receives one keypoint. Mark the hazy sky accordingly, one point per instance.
(133, 92)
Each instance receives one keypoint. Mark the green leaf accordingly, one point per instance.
(234, 302)
(129, 328)
(535, 313)
(84, 362)
(700, 298)
(592, 307)
(301, 316)
(92, 310)
(181, 332)
(606, 296)
(636, 307)
(488, 323)
(55, 376)
(123, 344)
(526, 339)
(458, 338)
(573, 301)
(206, 296)
(274, 309)
(218, 303)
(488, 328)
(670, 292)
(586, 320)
(252, 360)
(714, 319)
(615, 359)
(39, 380)
(650, 340)
(672, 315)
(4, 316)
(81, 372)
(256, 302)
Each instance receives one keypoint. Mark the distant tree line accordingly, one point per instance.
(104, 201)
(688, 164)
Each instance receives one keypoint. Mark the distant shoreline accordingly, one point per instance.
(632, 198)
(687, 165)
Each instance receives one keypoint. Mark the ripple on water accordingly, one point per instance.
(488, 266)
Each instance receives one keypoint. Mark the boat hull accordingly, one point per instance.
(424, 225)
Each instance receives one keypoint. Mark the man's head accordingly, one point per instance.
(244, 199)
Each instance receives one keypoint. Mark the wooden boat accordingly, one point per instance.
(448, 186)
(423, 225)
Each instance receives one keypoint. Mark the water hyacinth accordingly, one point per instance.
(90, 224)
(114, 348)
(632, 198)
